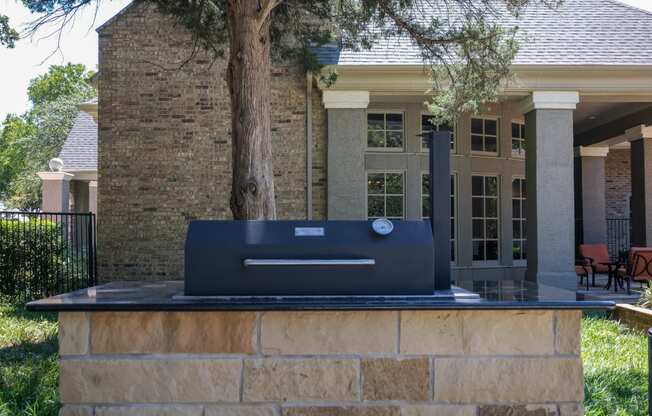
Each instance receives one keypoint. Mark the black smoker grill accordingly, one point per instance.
(276, 258)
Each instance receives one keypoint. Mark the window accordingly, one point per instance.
(427, 126)
(484, 195)
(518, 139)
(385, 195)
(519, 239)
(484, 135)
(425, 206)
(385, 131)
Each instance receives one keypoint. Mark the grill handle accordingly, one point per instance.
(307, 262)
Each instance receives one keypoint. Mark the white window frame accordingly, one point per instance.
(385, 195)
(498, 129)
(453, 217)
(520, 154)
(425, 149)
(385, 149)
(497, 218)
(522, 220)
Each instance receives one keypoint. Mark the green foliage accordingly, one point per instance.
(615, 369)
(70, 80)
(29, 141)
(645, 301)
(28, 363)
(8, 36)
(33, 255)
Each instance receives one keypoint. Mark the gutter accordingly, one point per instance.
(309, 144)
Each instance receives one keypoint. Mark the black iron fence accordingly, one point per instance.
(619, 234)
(43, 253)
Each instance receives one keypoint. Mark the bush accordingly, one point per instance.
(33, 257)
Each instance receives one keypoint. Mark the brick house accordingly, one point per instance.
(581, 93)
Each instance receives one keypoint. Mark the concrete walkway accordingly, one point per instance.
(600, 293)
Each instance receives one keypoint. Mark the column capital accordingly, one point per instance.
(55, 176)
(584, 151)
(345, 99)
(551, 100)
(638, 133)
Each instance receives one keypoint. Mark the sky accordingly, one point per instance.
(31, 57)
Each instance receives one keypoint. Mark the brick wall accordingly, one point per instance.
(164, 145)
(618, 183)
(329, 363)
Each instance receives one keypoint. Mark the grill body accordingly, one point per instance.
(263, 258)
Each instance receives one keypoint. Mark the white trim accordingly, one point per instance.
(638, 133)
(551, 100)
(345, 99)
(584, 151)
(55, 176)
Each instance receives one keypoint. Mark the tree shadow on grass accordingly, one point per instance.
(615, 392)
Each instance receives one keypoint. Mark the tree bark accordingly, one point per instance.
(249, 80)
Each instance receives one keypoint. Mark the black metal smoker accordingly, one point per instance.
(286, 258)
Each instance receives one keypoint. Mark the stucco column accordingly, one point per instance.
(549, 173)
(640, 138)
(590, 201)
(346, 145)
(92, 197)
(55, 188)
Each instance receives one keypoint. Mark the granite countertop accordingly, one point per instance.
(168, 295)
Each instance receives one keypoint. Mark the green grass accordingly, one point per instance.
(615, 368)
(28, 363)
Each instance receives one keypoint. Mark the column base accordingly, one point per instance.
(562, 280)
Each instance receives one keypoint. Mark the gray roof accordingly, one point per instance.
(580, 32)
(79, 151)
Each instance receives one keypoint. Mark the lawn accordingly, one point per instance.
(28, 363)
(615, 366)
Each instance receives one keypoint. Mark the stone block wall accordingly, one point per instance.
(353, 363)
(165, 146)
(618, 186)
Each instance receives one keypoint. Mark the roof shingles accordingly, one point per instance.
(79, 152)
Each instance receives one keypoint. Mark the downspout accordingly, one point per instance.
(309, 145)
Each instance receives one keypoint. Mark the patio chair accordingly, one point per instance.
(595, 254)
(638, 267)
(582, 268)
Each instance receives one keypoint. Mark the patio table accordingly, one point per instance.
(613, 267)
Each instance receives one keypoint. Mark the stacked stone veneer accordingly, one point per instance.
(165, 144)
(367, 363)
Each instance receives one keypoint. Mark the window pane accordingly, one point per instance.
(523, 188)
(490, 127)
(516, 250)
(524, 250)
(452, 250)
(491, 207)
(394, 121)
(477, 207)
(476, 143)
(452, 185)
(376, 206)
(516, 188)
(524, 229)
(516, 130)
(517, 229)
(426, 125)
(375, 183)
(453, 229)
(478, 250)
(375, 138)
(477, 189)
(395, 139)
(523, 131)
(492, 250)
(476, 126)
(394, 206)
(491, 186)
(394, 183)
(516, 146)
(425, 207)
(492, 229)
(516, 208)
(490, 144)
(375, 121)
(425, 184)
(478, 228)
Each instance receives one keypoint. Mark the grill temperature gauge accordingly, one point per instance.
(382, 226)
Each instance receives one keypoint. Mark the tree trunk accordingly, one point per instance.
(249, 79)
